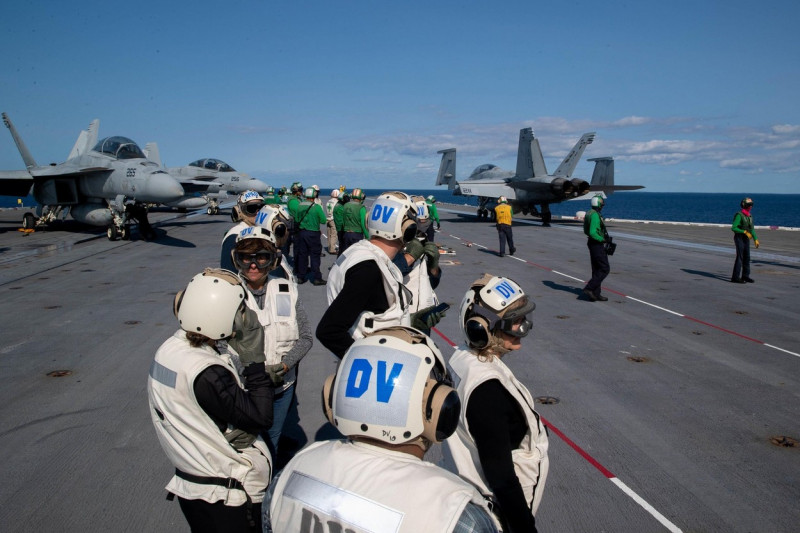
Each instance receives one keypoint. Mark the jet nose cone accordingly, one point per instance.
(161, 187)
(257, 185)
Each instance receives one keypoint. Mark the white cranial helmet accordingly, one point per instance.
(274, 218)
(423, 214)
(209, 303)
(597, 201)
(335, 193)
(393, 217)
(492, 304)
(392, 386)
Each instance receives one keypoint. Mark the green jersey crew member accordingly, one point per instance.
(354, 220)
(595, 230)
(308, 248)
(743, 231)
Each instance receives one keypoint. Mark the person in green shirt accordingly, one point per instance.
(354, 220)
(308, 246)
(270, 197)
(595, 230)
(431, 201)
(743, 231)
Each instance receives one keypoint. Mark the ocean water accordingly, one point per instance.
(768, 209)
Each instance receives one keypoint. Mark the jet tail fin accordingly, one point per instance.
(530, 163)
(447, 169)
(23, 150)
(151, 152)
(603, 174)
(86, 140)
(567, 166)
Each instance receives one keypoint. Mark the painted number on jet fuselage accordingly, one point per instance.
(466, 190)
(234, 178)
(358, 381)
(130, 173)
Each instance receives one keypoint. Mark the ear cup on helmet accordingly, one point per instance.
(442, 408)
(236, 213)
(176, 303)
(408, 229)
(477, 332)
(327, 398)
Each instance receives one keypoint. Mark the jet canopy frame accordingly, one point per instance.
(119, 148)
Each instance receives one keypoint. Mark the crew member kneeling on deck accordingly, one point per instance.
(206, 419)
(391, 398)
(500, 445)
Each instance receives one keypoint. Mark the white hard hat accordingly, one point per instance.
(502, 200)
(597, 201)
(393, 217)
(423, 214)
(209, 303)
(335, 193)
(493, 303)
(392, 386)
(249, 196)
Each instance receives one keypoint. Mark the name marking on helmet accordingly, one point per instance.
(505, 289)
(382, 212)
(358, 380)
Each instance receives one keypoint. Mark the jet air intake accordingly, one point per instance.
(562, 188)
(580, 187)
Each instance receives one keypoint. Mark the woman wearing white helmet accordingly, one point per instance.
(207, 418)
(244, 212)
(500, 445)
(274, 298)
(376, 479)
(365, 288)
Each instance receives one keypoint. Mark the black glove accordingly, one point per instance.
(248, 337)
(438, 226)
(432, 253)
(414, 248)
(276, 373)
(425, 319)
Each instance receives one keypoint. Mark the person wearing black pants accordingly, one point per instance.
(595, 229)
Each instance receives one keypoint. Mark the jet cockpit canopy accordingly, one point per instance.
(483, 168)
(212, 164)
(119, 147)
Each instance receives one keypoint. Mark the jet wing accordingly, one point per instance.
(61, 171)
(15, 183)
(613, 188)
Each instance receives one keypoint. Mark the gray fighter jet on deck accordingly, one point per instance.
(211, 178)
(530, 185)
(103, 183)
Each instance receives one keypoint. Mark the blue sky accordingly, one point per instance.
(687, 96)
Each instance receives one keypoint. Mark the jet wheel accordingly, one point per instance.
(210, 211)
(28, 221)
(112, 233)
(125, 233)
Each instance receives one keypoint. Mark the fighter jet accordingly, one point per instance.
(530, 185)
(102, 183)
(213, 179)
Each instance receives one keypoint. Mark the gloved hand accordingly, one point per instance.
(248, 337)
(438, 226)
(276, 373)
(414, 248)
(756, 243)
(749, 235)
(425, 319)
(432, 253)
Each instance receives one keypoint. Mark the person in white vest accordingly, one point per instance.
(276, 219)
(500, 445)
(333, 234)
(390, 396)
(244, 214)
(208, 418)
(287, 332)
(365, 288)
(419, 263)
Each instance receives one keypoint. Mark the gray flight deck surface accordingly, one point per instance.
(668, 394)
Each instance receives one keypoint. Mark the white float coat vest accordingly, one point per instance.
(396, 293)
(329, 208)
(279, 319)
(190, 438)
(531, 463)
(419, 283)
(359, 487)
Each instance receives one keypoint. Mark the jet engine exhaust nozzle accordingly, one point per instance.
(580, 187)
(562, 188)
